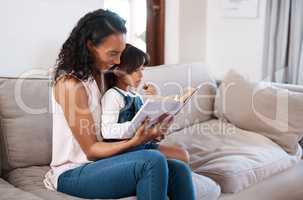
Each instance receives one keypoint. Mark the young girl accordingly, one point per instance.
(121, 102)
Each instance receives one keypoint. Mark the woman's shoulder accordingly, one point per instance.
(68, 85)
(66, 80)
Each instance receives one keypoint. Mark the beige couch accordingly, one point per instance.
(267, 171)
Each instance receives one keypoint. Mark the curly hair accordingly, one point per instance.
(75, 57)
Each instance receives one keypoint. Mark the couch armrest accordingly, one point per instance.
(10, 192)
(0, 148)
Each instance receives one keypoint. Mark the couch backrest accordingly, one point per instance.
(26, 122)
(0, 151)
(25, 111)
(169, 79)
(290, 87)
(294, 88)
(172, 79)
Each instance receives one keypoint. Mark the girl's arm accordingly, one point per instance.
(150, 93)
(112, 103)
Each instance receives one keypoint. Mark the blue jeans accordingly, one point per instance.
(142, 171)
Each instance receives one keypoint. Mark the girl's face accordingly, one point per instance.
(134, 78)
(109, 51)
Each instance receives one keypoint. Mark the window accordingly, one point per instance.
(134, 12)
(145, 25)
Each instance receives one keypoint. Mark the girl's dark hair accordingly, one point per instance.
(131, 59)
(75, 57)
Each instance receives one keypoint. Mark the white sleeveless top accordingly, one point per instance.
(66, 151)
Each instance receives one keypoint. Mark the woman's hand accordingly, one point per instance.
(144, 134)
(140, 135)
(163, 124)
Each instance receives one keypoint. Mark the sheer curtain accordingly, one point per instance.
(283, 49)
(295, 60)
(135, 13)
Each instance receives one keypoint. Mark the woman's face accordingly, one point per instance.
(109, 51)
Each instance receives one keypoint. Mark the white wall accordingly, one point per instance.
(234, 43)
(172, 21)
(185, 34)
(192, 30)
(32, 31)
(197, 31)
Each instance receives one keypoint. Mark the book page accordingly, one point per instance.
(154, 108)
(187, 99)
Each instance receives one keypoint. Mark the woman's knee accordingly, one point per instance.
(154, 162)
(155, 157)
(179, 167)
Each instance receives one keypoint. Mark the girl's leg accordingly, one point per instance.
(142, 173)
(174, 152)
(148, 145)
(180, 184)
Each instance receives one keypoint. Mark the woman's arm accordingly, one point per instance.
(70, 93)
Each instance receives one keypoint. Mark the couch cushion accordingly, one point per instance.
(10, 192)
(286, 185)
(0, 150)
(233, 157)
(263, 108)
(25, 122)
(31, 179)
(205, 187)
(174, 79)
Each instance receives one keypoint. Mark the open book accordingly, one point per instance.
(154, 108)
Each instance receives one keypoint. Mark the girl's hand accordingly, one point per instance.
(188, 92)
(149, 89)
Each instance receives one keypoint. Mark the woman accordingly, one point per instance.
(82, 164)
